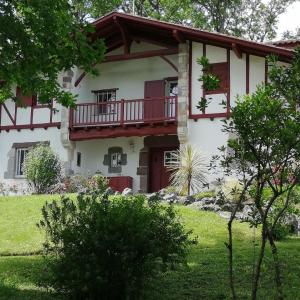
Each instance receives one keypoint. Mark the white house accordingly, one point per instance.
(143, 104)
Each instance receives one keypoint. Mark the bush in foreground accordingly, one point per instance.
(42, 169)
(100, 248)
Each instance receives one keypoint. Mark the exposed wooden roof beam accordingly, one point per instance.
(127, 40)
(237, 50)
(169, 62)
(139, 55)
(178, 36)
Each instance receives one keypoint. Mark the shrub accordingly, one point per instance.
(100, 248)
(98, 182)
(191, 171)
(42, 169)
(76, 183)
(207, 194)
(281, 231)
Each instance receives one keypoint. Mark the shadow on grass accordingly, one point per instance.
(19, 277)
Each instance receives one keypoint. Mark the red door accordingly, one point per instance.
(155, 95)
(159, 174)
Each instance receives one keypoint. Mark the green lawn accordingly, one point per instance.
(205, 277)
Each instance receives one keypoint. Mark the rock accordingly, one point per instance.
(185, 200)
(225, 214)
(211, 207)
(109, 191)
(127, 192)
(297, 226)
(210, 200)
(153, 196)
(170, 198)
(228, 206)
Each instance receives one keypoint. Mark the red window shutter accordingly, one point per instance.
(25, 100)
(221, 71)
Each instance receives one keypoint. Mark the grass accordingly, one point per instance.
(205, 277)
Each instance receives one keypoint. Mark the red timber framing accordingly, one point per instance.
(29, 124)
(124, 118)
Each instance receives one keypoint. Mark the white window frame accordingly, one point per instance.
(170, 159)
(106, 96)
(115, 156)
(19, 163)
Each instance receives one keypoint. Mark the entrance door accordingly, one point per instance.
(154, 93)
(159, 174)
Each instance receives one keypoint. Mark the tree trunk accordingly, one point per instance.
(278, 280)
(258, 264)
(230, 260)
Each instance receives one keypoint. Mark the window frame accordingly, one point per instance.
(219, 70)
(18, 166)
(105, 109)
(118, 158)
(172, 162)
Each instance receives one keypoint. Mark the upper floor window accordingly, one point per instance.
(104, 96)
(220, 70)
(30, 100)
(20, 158)
(172, 88)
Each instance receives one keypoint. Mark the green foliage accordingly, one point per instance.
(280, 231)
(206, 194)
(191, 171)
(104, 248)
(38, 40)
(210, 82)
(207, 260)
(42, 169)
(98, 182)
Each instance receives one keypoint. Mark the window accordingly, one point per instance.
(26, 101)
(172, 88)
(103, 96)
(20, 157)
(78, 159)
(221, 71)
(115, 160)
(171, 158)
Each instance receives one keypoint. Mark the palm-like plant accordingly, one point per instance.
(191, 170)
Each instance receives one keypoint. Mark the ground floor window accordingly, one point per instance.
(171, 158)
(20, 157)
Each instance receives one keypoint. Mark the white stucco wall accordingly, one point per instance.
(93, 151)
(127, 76)
(7, 139)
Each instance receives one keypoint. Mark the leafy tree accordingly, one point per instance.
(255, 19)
(291, 35)
(265, 155)
(100, 248)
(42, 169)
(38, 40)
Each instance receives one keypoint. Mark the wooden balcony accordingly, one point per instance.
(138, 117)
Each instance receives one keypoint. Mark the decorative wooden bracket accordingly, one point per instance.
(169, 62)
(127, 40)
(138, 55)
(237, 50)
(178, 36)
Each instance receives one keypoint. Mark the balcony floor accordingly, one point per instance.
(112, 131)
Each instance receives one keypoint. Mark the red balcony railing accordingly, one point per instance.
(123, 112)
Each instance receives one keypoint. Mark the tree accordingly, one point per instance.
(191, 170)
(290, 35)
(256, 19)
(42, 169)
(38, 40)
(265, 156)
